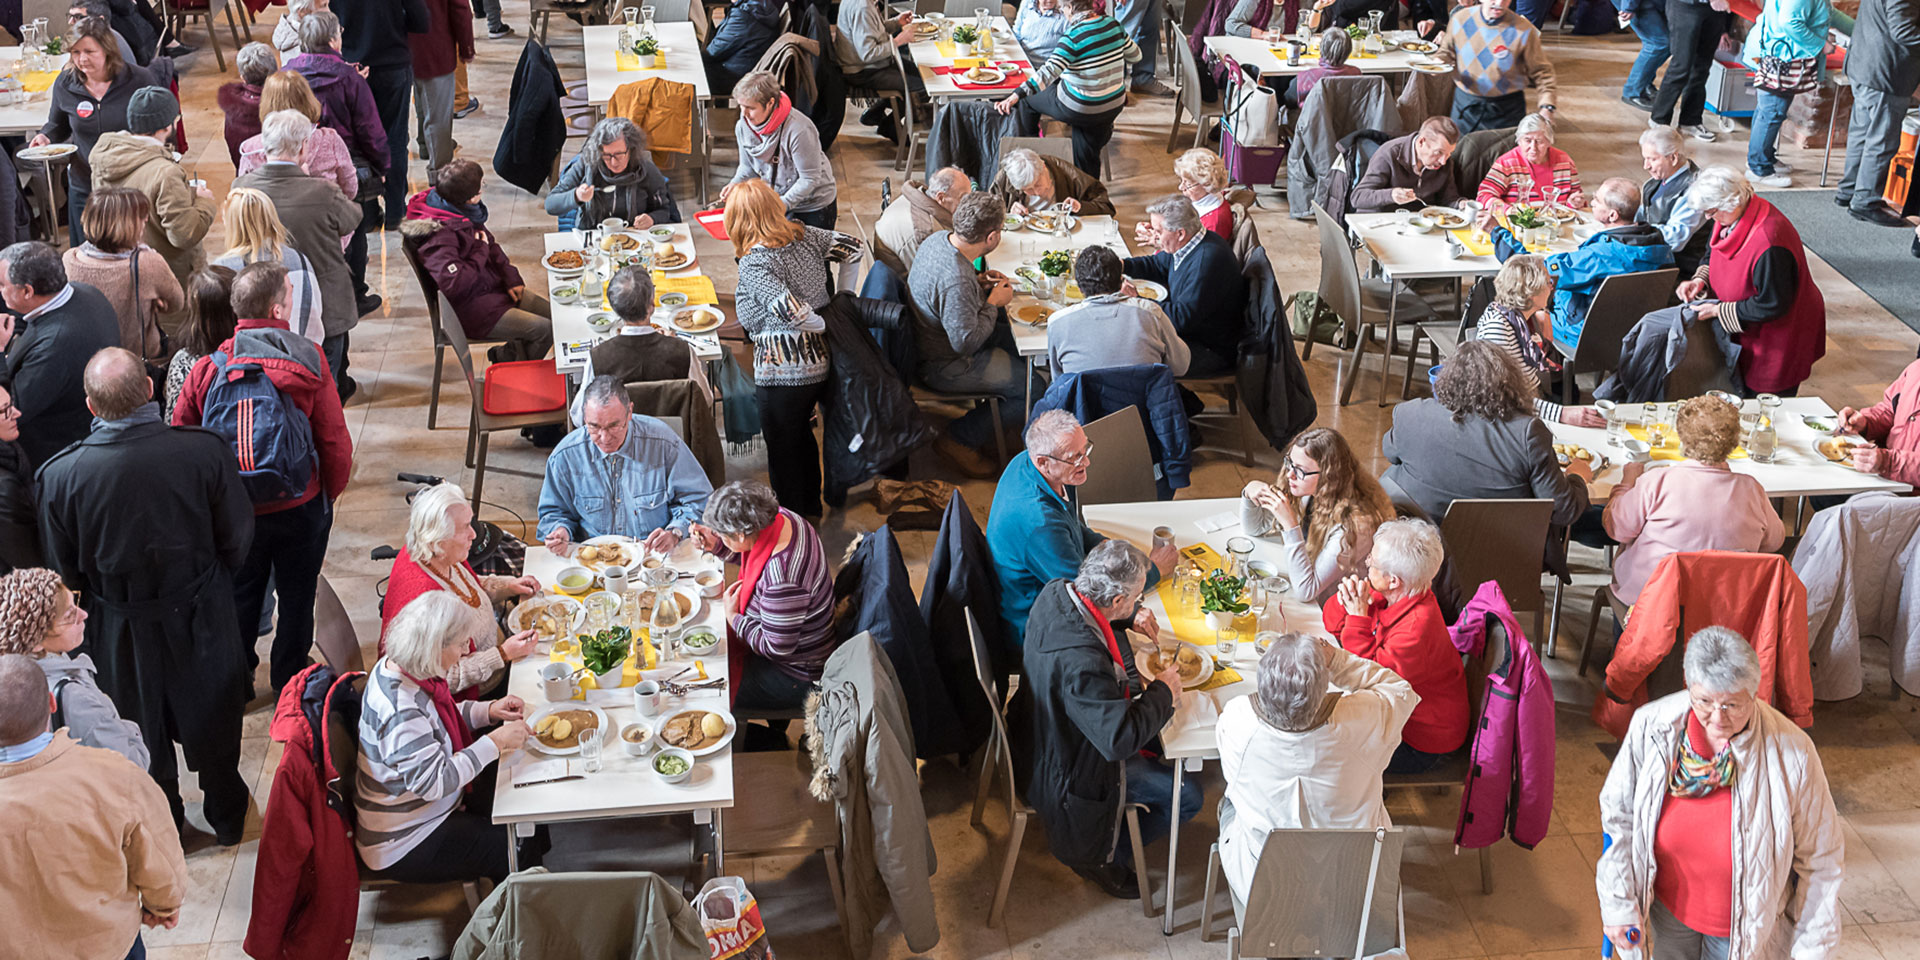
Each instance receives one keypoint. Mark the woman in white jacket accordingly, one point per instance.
(1725, 843)
(1306, 749)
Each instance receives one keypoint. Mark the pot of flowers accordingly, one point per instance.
(964, 37)
(604, 654)
(1054, 265)
(647, 49)
(1223, 597)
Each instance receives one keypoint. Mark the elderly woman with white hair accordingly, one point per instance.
(1307, 748)
(1756, 285)
(613, 176)
(1725, 838)
(1663, 198)
(1534, 171)
(1390, 617)
(1204, 182)
(1029, 182)
(424, 814)
(439, 534)
(240, 100)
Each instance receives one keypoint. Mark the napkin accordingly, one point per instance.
(1193, 711)
(699, 288)
(1218, 522)
(1479, 248)
(539, 770)
(1671, 449)
(1222, 676)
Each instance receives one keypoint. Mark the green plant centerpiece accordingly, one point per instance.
(965, 33)
(1222, 592)
(56, 46)
(1526, 217)
(1055, 263)
(1355, 30)
(604, 652)
(646, 46)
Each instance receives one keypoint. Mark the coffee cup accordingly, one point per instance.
(556, 680)
(616, 579)
(646, 698)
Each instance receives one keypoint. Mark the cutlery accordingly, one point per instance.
(532, 783)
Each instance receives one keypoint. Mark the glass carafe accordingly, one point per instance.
(665, 621)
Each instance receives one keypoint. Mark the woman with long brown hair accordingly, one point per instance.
(1324, 510)
(89, 98)
(134, 277)
(210, 323)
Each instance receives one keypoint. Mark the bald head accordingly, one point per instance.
(24, 707)
(1617, 200)
(116, 383)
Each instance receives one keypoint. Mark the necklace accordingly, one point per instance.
(456, 581)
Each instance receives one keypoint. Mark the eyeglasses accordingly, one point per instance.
(73, 614)
(1295, 469)
(9, 411)
(611, 155)
(1724, 708)
(1084, 457)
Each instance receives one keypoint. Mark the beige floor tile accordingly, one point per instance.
(1869, 890)
(1894, 840)
(1555, 912)
(1437, 926)
(185, 951)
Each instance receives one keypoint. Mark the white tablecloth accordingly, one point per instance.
(940, 86)
(682, 65)
(1257, 54)
(573, 339)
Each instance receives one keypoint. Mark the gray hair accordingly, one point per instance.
(1335, 47)
(430, 521)
(318, 31)
(1719, 188)
(257, 61)
(428, 624)
(284, 134)
(949, 181)
(1720, 660)
(609, 130)
(759, 86)
(1112, 571)
(35, 264)
(1534, 123)
(1520, 280)
(23, 700)
(630, 294)
(1408, 549)
(1291, 680)
(1022, 167)
(742, 508)
(299, 8)
(1666, 140)
(1176, 213)
(605, 389)
(1620, 195)
(1050, 430)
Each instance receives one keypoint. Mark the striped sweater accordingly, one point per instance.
(409, 777)
(790, 618)
(1503, 328)
(1555, 180)
(1091, 64)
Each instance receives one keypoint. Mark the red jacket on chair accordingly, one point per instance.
(1755, 594)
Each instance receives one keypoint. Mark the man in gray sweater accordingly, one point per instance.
(1411, 172)
(964, 346)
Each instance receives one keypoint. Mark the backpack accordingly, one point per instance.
(1314, 320)
(271, 437)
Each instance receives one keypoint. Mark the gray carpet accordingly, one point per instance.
(1879, 260)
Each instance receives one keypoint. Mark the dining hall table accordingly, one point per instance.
(943, 70)
(1023, 248)
(679, 61)
(1271, 61)
(573, 339)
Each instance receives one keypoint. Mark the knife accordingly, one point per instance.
(572, 776)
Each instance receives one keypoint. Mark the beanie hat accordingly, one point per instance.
(27, 600)
(150, 109)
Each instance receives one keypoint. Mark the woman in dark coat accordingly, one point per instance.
(89, 98)
(613, 176)
(19, 526)
(449, 223)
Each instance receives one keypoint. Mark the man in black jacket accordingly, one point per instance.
(374, 35)
(1884, 65)
(52, 328)
(1206, 296)
(1092, 715)
(149, 522)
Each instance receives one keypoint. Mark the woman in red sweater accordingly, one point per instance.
(439, 533)
(1391, 618)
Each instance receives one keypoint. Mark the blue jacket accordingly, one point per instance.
(661, 485)
(1206, 296)
(745, 35)
(1578, 273)
(1093, 394)
(1034, 537)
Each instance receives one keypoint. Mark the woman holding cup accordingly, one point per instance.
(1324, 510)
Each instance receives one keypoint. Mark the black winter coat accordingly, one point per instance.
(43, 367)
(1273, 384)
(869, 419)
(19, 519)
(1086, 722)
(535, 130)
(960, 579)
(875, 582)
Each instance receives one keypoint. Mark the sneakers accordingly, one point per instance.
(1640, 102)
(1781, 166)
(1774, 179)
(1699, 132)
(473, 104)
(500, 32)
(1880, 212)
(1153, 88)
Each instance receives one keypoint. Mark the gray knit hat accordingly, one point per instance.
(150, 109)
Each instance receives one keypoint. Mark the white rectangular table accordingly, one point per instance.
(1187, 743)
(1797, 470)
(940, 86)
(678, 44)
(25, 118)
(626, 786)
(1023, 248)
(1272, 63)
(570, 330)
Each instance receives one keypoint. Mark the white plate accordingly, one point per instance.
(1206, 666)
(706, 750)
(993, 76)
(516, 620)
(634, 551)
(47, 152)
(685, 322)
(1150, 290)
(534, 743)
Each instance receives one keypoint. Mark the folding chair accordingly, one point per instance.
(431, 292)
(1503, 541)
(176, 13)
(1187, 94)
(333, 632)
(1316, 893)
(1619, 304)
(778, 817)
(1126, 463)
(1359, 304)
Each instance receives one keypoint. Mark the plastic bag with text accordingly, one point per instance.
(730, 917)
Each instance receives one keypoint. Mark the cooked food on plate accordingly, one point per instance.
(1446, 218)
(618, 242)
(566, 260)
(564, 728)
(600, 555)
(1186, 657)
(1837, 449)
(693, 729)
(1032, 314)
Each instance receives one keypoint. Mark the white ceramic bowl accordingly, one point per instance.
(642, 746)
(666, 752)
(711, 582)
(1637, 450)
(560, 580)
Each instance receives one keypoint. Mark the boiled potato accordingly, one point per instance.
(545, 723)
(562, 729)
(713, 726)
(589, 553)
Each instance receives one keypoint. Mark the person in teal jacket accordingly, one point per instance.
(1788, 30)
(1034, 531)
(1621, 246)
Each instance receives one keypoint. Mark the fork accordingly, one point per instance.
(682, 689)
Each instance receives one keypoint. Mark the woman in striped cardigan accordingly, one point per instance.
(781, 608)
(1091, 64)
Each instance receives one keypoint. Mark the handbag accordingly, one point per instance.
(1782, 75)
(1252, 109)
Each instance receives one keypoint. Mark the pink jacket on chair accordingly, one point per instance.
(1509, 785)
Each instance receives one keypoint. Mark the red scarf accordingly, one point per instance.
(775, 119)
(1729, 241)
(751, 566)
(450, 715)
(1113, 642)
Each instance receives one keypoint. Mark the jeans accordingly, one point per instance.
(1872, 137)
(793, 455)
(1649, 23)
(1695, 31)
(1150, 782)
(392, 85)
(527, 328)
(289, 546)
(491, 8)
(1141, 18)
(1091, 131)
(1770, 112)
(78, 190)
(139, 951)
(1473, 113)
(823, 218)
(995, 369)
(1673, 940)
(433, 102)
(765, 687)
(1408, 760)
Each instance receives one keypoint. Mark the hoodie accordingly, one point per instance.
(181, 217)
(87, 712)
(1578, 273)
(241, 103)
(347, 103)
(299, 371)
(466, 263)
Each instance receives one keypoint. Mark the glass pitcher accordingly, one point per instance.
(665, 621)
(1239, 551)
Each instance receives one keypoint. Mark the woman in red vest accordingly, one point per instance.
(1758, 281)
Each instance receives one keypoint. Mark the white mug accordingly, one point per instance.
(646, 698)
(556, 679)
(616, 578)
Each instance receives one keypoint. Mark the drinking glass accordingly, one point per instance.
(590, 751)
(1762, 446)
(1748, 421)
(1186, 593)
(1239, 551)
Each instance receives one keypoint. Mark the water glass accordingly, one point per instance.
(1187, 595)
(1239, 551)
(590, 750)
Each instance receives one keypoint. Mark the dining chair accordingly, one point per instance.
(1188, 92)
(902, 108)
(1617, 305)
(1360, 304)
(1444, 337)
(507, 396)
(176, 13)
(963, 9)
(1059, 148)
(430, 292)
(1126, 471)
(333, 633)
(779, 817)
(1501, 540)
(1602, 595)
(1316, 893)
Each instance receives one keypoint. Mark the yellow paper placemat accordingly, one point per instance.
(642, 657)
(1671, 449)
(624, 60)
(699, 288)
(1194, 629)
(1222, 676)
(37, 80)
(1480, 248)
(1208, 558)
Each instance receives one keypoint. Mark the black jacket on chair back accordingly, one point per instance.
(535, 130)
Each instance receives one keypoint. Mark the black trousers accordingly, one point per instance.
(824, 218)
(467, 845)
(392, 95)
(793, 455)
(216, 759)
(1693, 34)
(1091, 131)
(288, 549)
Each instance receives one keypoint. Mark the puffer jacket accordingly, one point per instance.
(1093, 394)
(862, 748)
(181, 218)
(869, 418)
(1858, 563)
(1578, 273)
(874, 596)
(1788, 851)
(746, 33)
(464, 260)
(1788, 29)
(1509, 788)
(536, 915)
(347, 105)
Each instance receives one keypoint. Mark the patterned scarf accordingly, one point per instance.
(1695, 775)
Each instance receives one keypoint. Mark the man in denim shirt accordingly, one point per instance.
(620, 474)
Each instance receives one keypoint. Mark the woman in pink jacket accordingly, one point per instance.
(1895, 453)
(326, 155)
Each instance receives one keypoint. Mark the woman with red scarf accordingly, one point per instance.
(424, 812)
(780, 612)
(780, 145)
(1757, 284)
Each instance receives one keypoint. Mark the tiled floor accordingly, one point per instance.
(1543, 904)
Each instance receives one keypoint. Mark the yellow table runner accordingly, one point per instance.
(1484, 248)
(1193, 628)
(34, 81)
(698, 288)
(625, 61)
(643, 656)
(1671, 449)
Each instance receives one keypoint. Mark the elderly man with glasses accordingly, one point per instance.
(1033, 530)
(1411, 172)
(620, 473)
